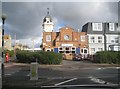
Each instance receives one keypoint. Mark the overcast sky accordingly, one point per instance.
(25, 18)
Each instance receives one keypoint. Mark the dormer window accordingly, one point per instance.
(97, 26)
(111, 27)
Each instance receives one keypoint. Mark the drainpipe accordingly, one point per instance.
(104, 34)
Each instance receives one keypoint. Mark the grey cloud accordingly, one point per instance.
(119, 13)
(79, 13)
(25, 18)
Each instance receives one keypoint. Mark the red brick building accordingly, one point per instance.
(66, 41)
(66, 38)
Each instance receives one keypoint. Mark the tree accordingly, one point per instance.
(41, 45)
(20, 45)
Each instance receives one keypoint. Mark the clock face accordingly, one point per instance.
(66, 37)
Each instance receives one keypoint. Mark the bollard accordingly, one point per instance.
(34, 71)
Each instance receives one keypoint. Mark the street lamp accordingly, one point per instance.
(3, 23)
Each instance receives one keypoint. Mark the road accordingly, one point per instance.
(77, 73)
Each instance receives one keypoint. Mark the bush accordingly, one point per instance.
(24, 56)
(107, 57)
(41, 57)
(11, 53)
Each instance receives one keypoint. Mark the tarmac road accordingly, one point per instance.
(69, 73)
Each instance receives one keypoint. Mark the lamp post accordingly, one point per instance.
(3, 23)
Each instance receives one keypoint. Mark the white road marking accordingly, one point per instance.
(28, 74)
(117, 67)
(8, 65)
(8, 74)
(94, 79)
(99, 68)
(65, 81)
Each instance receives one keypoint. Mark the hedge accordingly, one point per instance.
(41, 57)
(10, 52)
(111, 57)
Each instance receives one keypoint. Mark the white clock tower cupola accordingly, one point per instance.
(47, 23)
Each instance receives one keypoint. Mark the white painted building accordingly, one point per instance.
(95, 43)
(101, 36)
(112, 40)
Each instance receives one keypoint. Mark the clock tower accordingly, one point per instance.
(47, 23)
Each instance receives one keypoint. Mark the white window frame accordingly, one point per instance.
(97, 26)
(82, 38)
(100, 40)
(111, 27)
(100, 49)
(92, 40)
(83, 51)
(92, 50)
(48, 38)
(114, 40)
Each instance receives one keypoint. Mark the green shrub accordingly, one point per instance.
(11, 53)
(24, 56)
(41, 57)
(107, 57)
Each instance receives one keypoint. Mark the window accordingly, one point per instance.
(67, 51)
(67, 48)
(60, 48)
(48, 38)
(61, 51)
(97, 26)
(92, 39)
(73, 51)
(100, 49)
(92, 50)
(81, 50)
(114, 40)
(66, 37)
(99, 39)
(85, 51)
(48, 50)
(111, 27)
(82, 38)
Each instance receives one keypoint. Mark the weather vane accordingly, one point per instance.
(47, 10)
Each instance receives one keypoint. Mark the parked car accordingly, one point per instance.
(77, 57)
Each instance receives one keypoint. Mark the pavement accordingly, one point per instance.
(17, 75)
